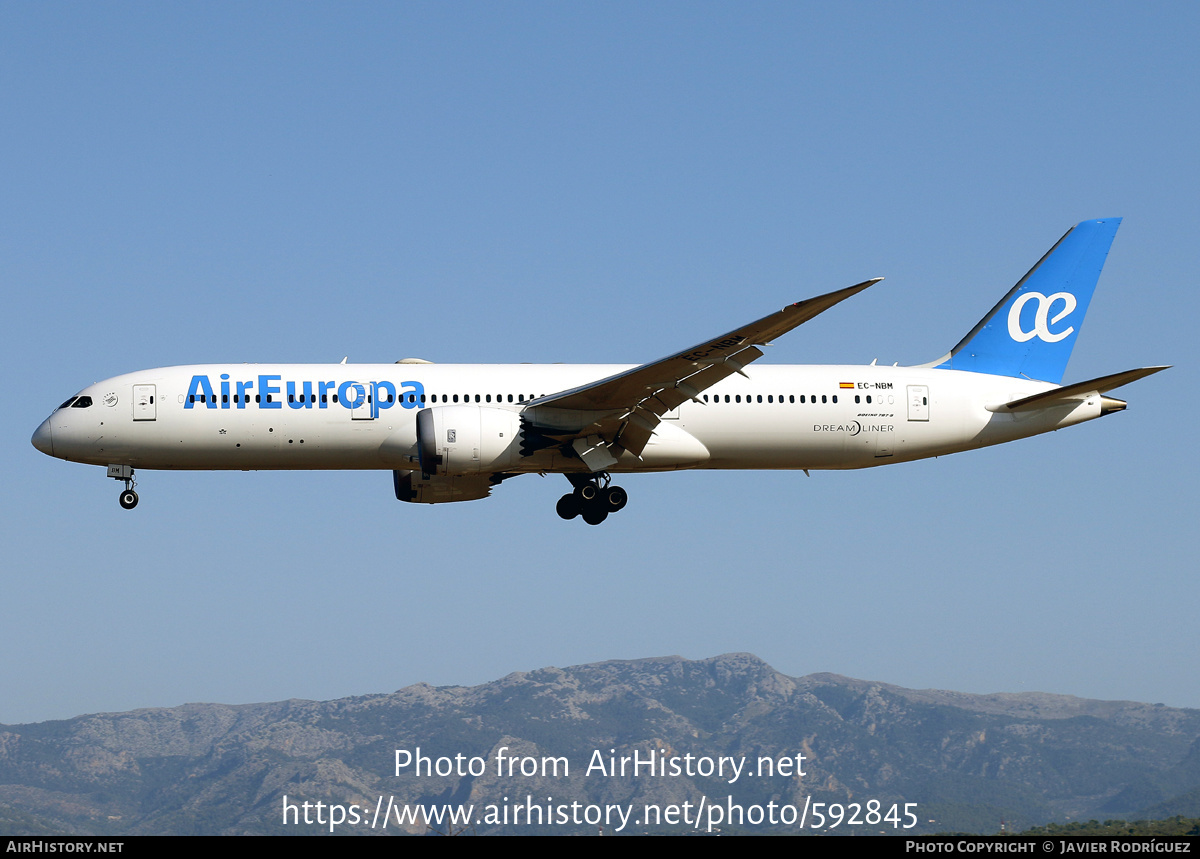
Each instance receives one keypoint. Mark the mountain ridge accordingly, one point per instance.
(966, 760)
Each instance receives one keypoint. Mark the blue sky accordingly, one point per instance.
(592, 183)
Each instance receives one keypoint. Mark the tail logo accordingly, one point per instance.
(1041, 320)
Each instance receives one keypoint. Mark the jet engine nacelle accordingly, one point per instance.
(459, 440)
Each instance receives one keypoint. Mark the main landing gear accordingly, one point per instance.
(128, 497)
(593, 498)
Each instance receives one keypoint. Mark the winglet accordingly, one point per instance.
(802, 311)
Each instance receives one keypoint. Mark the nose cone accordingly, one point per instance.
(42, 440)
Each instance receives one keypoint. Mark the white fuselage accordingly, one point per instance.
(363, 416)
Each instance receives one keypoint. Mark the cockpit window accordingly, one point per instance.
(67, 403)
(82, 403)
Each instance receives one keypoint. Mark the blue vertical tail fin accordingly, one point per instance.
(1032, 330)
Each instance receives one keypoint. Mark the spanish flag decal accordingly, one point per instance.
(846, 385)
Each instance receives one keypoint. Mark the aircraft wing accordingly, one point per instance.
(623, 410)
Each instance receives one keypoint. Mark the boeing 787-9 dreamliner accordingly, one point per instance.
(453, 432)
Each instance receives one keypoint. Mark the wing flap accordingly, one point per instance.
(635, 433)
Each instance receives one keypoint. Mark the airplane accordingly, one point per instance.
(452, 432)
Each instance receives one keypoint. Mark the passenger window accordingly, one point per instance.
(835, 398)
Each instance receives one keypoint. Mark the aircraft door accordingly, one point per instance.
(918, 402)
(144, 407)
(362, 407)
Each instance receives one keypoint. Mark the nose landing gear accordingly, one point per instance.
(128, 497)
(592, 499)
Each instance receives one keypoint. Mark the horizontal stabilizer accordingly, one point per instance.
(1079, 390)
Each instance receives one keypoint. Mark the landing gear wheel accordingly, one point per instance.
(568, 506)
(587, 493)
(615, 498)
(594, 514)
(129, 499)
(592, 497)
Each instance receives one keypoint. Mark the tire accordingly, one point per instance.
(587, 492)
(129, 499)
(616, 498)
(568, 506)
(594, 514)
